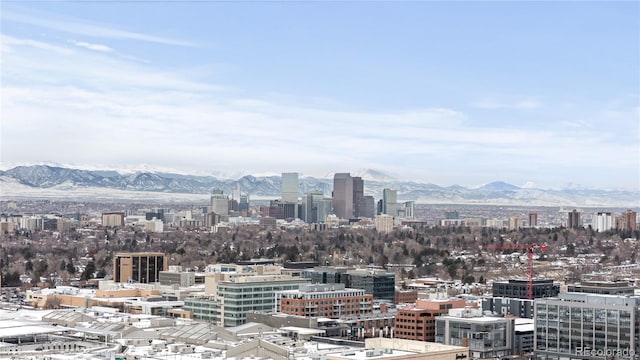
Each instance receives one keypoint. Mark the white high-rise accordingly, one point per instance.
(603, 221)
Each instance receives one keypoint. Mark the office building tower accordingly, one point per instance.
(289, 187)
(306, 208)
(406, 210)
(112, 219)
(586, 326)
(138, 267)
(574, 220)
(628, 221)
(343, 195)
(243, 206)
(219, 203)
(390, 202)
(358, 195)
(236, 194)
(367, 207)
(603, 221)
(324, 208)
(533, 219)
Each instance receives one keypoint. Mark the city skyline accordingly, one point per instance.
(534, 94)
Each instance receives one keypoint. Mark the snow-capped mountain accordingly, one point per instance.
(43, 181)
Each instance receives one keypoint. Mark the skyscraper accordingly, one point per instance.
(533, 219)
(390, 202)
(603, 221)
(628, 221)
(574, 220)
(219, 202)
(290, 187)
(358, 195)
(343, 195)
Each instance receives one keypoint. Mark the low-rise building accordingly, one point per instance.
(486, 336)
(417, 322)
(325, 300)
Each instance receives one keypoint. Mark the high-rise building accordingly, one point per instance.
(243, 206)
(343, 195)
(627, 221)
(390, 202)
(289, 187)
(358, 195)
(142, 267)
(533, 219)
(406, 210)
(219, 203)
(603, 221)
(574, 220)
(367, 207)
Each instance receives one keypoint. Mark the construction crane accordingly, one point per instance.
(529, 248)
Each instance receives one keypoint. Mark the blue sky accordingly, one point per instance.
(543, 94)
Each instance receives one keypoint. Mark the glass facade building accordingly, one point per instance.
(585, 326)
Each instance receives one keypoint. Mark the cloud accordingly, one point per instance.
(78, 27)
(524, 104)
(90, 46)
(94, 107)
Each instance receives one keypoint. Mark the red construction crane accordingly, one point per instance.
(529, 248)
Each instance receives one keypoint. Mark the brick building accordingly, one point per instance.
(324, 300)
(418, 322)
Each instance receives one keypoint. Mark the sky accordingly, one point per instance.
(538, 94)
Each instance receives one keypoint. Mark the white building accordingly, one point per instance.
(603, 221)
(384, 223)
(155, 226)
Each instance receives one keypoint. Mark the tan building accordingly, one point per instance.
(138, 267)
(384, 223)
(418, 322)
(113, 219)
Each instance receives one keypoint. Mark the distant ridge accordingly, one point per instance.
(44, 181)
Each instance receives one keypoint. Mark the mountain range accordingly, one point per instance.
(43, 181)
